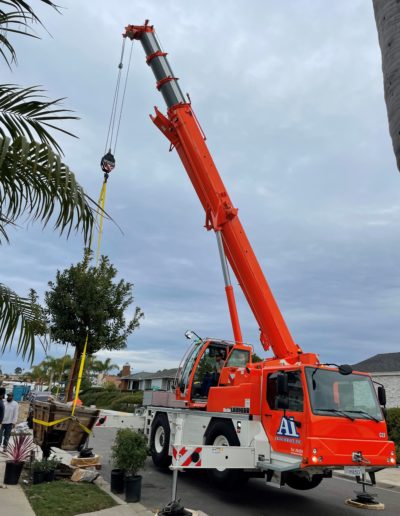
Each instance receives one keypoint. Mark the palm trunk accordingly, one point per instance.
(387, 17)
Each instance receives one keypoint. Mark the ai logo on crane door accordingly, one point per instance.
(287, 428)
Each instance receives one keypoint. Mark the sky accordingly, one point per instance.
(290, 96)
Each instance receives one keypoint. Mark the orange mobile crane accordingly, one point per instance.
(289, 417)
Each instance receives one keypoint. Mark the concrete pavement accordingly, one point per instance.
(13, 501)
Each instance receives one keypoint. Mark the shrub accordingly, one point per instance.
(110, 386)
(129, 451)
(393, 424)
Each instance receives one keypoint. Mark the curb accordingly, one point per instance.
(137, 508)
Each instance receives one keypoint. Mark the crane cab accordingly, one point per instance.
(209, 364)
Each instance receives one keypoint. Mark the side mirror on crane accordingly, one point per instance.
(282, 384)
(282, 403)
(282, 391)
(382, 395)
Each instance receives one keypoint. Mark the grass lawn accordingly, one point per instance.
(63, 497)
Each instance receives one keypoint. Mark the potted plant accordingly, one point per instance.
(117, 480)
(18, 450)
(50, 467)
(129, 453)
(38, 471)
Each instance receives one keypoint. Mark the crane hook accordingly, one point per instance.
(107, 162)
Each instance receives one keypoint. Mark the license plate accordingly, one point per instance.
(354, 471)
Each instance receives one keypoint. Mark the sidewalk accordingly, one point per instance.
(388, 478)
(13, 501)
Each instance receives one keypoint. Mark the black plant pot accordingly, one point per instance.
(133, 488)
(49, 475)
(117, 481)
(38, 477)
(13, 472)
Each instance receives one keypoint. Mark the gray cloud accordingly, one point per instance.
(290, 97)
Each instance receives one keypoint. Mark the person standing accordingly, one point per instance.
(2, 394)
(9, 420)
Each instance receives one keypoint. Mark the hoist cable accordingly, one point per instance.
(111, 124)
(123, 97)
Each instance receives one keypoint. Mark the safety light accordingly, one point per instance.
(314, 459)
(315, 451)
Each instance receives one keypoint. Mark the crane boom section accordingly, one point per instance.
(184, 132)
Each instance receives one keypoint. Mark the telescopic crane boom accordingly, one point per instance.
(183, 130)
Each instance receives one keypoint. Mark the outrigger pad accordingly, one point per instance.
(367, 502)
(174, 508)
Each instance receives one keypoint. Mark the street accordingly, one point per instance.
(256, 499)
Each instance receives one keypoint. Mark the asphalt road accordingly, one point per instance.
(256, 499)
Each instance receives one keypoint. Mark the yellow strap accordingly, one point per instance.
(80, 375)
(78, 387)
(102, 202)
(51, 423)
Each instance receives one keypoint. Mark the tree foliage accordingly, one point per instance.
(51, 367)
(85, 299)
(34, 182)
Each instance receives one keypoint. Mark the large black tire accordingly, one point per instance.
(159, 441)
(222, 433)
(303, 483)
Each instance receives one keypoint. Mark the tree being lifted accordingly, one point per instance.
(84, 301)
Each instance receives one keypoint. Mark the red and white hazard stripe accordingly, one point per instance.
(183, 456)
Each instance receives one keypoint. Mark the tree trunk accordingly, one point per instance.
(387, 17)
(73, 375)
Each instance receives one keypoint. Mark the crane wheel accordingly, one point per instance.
(222, 433)
(159, 441)
(303, 483)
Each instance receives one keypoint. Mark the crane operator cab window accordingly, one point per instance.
(295, 391)
(208, 371)
(238, 358)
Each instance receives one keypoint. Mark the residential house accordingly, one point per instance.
(102, 378)
(160, 380)
(385, 369)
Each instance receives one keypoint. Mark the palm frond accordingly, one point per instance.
(16, 16)
(18, 315)
(36, 183)
(25, 112)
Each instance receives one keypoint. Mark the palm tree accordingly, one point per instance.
(34, 181)
(387, 17)
(103, 366)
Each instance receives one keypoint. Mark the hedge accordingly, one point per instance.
(127, 402)
(112, 399)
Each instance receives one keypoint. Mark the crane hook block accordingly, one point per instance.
(107, 163)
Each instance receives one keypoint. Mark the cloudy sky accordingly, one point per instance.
(290, 96)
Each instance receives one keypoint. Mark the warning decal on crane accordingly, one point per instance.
(186, 457)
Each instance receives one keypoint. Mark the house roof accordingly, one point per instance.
(381, 363)
(164, 373)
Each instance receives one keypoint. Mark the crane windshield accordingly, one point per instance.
(352, 396)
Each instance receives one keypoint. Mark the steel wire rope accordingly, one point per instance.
(111, 124)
